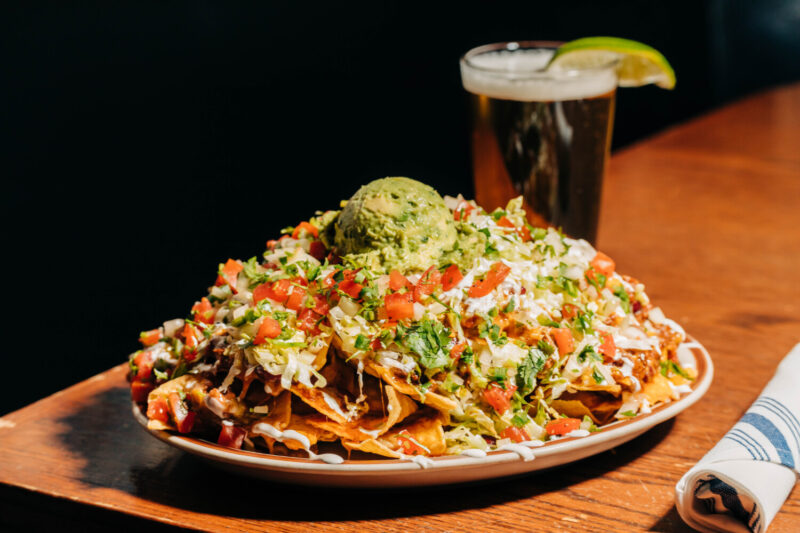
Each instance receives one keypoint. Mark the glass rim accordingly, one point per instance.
(513, 46)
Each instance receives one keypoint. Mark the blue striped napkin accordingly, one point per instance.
(743, 481)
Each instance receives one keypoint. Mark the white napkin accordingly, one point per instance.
(743, 481)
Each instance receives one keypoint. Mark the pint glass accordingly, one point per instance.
(544, 134)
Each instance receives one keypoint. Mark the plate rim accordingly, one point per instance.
(610, 432)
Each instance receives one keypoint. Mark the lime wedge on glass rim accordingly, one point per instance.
(639, 64)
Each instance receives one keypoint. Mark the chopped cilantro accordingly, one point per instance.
(567, 285)
(428, 340)
(528, 369)
(520, 419)
(621, 293)
(545, 346)
(313, 272)
(467, 356)
(582, 322)
(671, 366)
(362, 343)
(497, 214)
(589, 352)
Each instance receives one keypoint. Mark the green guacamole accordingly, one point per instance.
(400, 223)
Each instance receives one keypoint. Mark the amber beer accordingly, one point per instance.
(545, 135)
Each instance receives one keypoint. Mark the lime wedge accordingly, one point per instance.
(639, 64)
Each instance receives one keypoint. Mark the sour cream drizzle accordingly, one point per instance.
(262, 428)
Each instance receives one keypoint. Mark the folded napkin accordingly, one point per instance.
(743, 481)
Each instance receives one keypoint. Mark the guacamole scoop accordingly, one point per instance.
(395, 223)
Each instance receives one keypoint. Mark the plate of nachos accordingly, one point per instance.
(410, 339)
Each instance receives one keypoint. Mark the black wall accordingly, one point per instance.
(141, 143)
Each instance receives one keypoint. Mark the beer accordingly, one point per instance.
(545, 135)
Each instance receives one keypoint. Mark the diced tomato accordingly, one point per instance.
(329, 282)
(307, 321)
(497, 273)
(562, 426)
(229, 273)
(409, 445)
(157, 410)
(376, 344)
(317, 250)
(452, 276)
(268, 329)
(203, 312)
(504, 222)
(427, 283)
(603, 264)
(183, 417)
(231, 436)
(399, 306)
(516, 434)
(397, 281)
(140, 390)
(351, 288)
(144, 362)
(457, 350)
(321, 305)
(564, 340)
(569, 311)
(296, 298)
(523, 232)
(308, 228)
(280, 290)
(191, 338)
(462, 211)
(262, 291)
(149, 338)
(498, 397)
(608, 348)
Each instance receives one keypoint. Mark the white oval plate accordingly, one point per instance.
(446, 469)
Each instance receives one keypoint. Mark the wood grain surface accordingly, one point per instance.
(706, 214)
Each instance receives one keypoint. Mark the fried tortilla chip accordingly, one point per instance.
(388, 376)
(657, 390)
(398, 408)
(424, 431)
(313, 434)
(193, 387)
(600, 407)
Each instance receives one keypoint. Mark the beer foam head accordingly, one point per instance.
(518, 74)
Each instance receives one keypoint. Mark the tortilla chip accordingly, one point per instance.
(598, 406)
(313, 434)
(657, 390)
(193, 387)
(437, 401)
(281, 413)
(398, 408)
(425, 429)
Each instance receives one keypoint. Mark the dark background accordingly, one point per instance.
(142, 143)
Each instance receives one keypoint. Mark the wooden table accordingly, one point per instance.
(707, 214)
